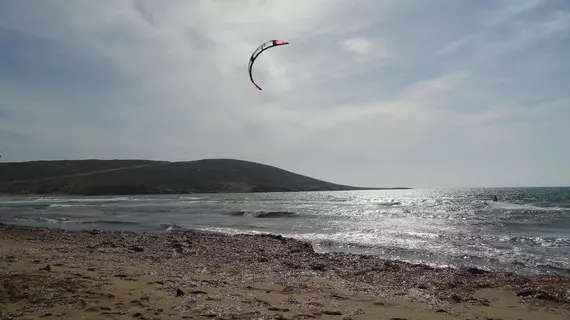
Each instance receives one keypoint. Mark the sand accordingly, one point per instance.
(59, 274)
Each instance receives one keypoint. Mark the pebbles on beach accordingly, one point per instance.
(206, 275)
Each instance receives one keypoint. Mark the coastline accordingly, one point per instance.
(67, 194)
(197, 275)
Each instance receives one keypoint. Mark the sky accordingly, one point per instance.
(424, 94)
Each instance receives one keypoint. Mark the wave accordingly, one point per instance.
(539, 241)
(86, 199)
(230, 231)
(389, 203)
(196, 201)
(556, 268)
(262, 214)
(76, 221)
(61, 205)
(455, 259)
(514, 206)
(495, 239)
(190, 198)
(171, 227)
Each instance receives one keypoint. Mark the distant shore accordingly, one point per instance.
(92, 177)
(194, 275)
(59, 194)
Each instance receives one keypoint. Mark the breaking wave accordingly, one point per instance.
(262, 214)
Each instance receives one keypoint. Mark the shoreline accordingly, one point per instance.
(198, 275)
(63, 194)
(432, 264)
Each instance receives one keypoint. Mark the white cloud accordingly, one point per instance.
(365, 49)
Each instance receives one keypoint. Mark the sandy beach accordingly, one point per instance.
(60, 274)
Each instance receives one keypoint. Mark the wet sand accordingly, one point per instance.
(59, 274)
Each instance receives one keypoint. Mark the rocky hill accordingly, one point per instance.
(122, 177)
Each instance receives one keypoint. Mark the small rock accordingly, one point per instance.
(481, 301)
(137, 303)
(292, 265)
(332, 313)
(476, 271)
(137, 249)
(546, 296)
(278, 309)
(82, 303)
(118, 313)
(198, 292)
(179, 293)
(304, 315)
(537, 294)
(288, 290)
(526, 293)
(319, 267)
(46, 268)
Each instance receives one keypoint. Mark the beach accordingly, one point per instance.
(52, 273)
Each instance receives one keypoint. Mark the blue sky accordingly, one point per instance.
(434, 93)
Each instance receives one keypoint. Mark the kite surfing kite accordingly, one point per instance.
(258, 51)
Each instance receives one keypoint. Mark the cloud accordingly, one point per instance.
(365, 49)
(512, 9)
(369, 92)
(503, 32)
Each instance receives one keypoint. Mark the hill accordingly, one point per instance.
(122, 177)
(33, 170)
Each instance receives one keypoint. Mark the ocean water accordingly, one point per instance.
(526, 231)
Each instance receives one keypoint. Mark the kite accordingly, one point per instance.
(258, 51)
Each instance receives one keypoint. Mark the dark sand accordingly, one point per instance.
(59, 274)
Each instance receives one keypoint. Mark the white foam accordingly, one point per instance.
(514, 206)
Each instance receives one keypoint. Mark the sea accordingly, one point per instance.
(526, 231)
